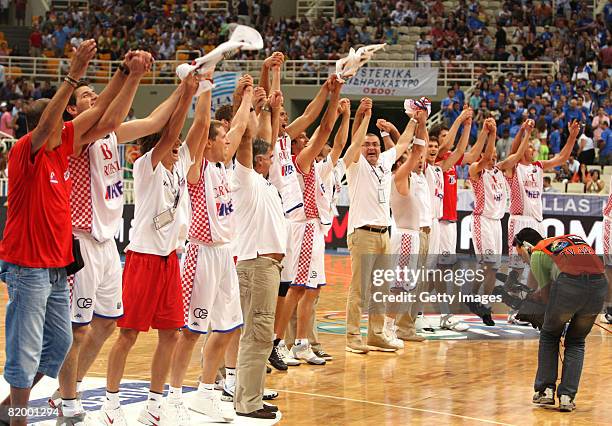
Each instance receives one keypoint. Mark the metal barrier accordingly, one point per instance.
(212, 6)
(297, 73)
(316, 8)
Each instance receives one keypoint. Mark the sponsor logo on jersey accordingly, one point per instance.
(114, 190)
(112, 168)
(53, 178)
(558, 246)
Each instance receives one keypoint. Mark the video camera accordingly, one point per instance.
(517, 296)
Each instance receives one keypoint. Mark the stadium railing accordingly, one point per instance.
(295, 72)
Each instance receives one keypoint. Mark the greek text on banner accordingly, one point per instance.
(406, 82)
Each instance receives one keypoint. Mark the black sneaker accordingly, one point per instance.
(322, 354)
(276, 360)
(259, 414)
(482, 311)
(487, 319)
(268, 369)
(608, 314)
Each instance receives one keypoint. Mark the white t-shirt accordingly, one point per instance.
(419, 188)
(435, 181)
(157, 190)
(261, 225)
(370, 191)
(588, 143)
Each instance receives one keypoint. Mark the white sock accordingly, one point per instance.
(282, 342)
(70, 407)
(301, 342)
(154, 401)
(206, 387)
(275, 336)
(112, 400)
(79, 384)
(175, 393)
(230, 377)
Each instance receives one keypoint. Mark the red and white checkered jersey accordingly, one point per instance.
(449, 200)
(607, 211)
(96, 200)
(526, 187)
(318, 188)
(283, 176)
(211, 205)
(435, 180)
(490, 194)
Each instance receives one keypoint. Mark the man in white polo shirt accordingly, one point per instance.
(369, 179)
(262, 240)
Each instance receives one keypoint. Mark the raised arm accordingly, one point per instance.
(489, 129)
(276, 59)
(173, 129)
(390, 136)
(365, 103)
(564, 155)
(121, 104)
(514, 159)
(344, 109)
(241, 117)
(454, 157)
(418, 148)
(244, 154)
(517, 139)
(311, 112)
(474, 153)
(49, 127)
(307, 156)
(153, 123)
(199, 130)
(447, 144)
(354, 150)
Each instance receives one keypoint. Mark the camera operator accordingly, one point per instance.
(573, 287)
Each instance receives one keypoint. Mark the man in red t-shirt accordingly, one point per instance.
(37, 244)
(35, 42)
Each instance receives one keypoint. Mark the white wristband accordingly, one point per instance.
(418, 141)
(384, 134)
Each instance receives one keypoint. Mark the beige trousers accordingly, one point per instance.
(369, 251)
(259, 280)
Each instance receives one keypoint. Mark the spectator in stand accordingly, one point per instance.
(424, 48)
(605, 146)
(573, 164)
(596, 185)
(586, 146)
(503, 145)
(564, 174)
(598, 124)
(547, 187)
(6, 120)
(36, 41)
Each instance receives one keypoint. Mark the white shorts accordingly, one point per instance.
(487, 238)
(96, 289)
(434, 245)
(405, 250)
(304, 263)
(448, 243)
(211, 295)
(515, 225)
(607, 240)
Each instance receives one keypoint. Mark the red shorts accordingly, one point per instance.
(152, 295)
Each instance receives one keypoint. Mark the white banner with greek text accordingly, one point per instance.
(404, 82)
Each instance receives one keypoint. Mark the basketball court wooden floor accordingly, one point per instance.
(485, 378)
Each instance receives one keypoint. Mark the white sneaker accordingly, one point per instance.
(304, 352)
(286, 355)
(112, 417)
(210, 404)
(150, 418)
(55, 400)
(449, 322)
(512, 319)
(422, 324)
(174, 412)
(566, 403)
(390, 332)
(79, 419)
(547, 397)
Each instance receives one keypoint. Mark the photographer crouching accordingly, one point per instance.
(573, 287)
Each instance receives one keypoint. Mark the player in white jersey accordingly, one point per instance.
(526, 186)
(284, 177)
(490, 195)
(526, 181)
(309, 237)
(405, 238)
(97, 207)
(607, 240)
(434, 171)
(211, 297)
(151, 277)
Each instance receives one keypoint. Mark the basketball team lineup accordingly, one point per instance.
(256, 323)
